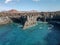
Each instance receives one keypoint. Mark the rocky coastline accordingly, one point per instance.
(5, 20)
(21, 17)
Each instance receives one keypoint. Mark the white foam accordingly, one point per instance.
(51, 26)
(40, 27)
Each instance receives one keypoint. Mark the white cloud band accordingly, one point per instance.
(7, 1)
(36, 0)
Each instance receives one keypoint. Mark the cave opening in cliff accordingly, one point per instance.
(39, 19)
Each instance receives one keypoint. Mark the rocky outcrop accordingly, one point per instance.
(4, 20)
(31, 21)
(29, 24)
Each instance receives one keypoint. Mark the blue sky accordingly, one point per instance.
(27, 5)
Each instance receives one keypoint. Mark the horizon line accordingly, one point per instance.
(31, 10)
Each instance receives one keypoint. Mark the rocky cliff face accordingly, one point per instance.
(13, 12)
(4, 20)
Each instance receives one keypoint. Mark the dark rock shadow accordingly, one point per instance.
(40, 19)
(20, 20)
(15, 20)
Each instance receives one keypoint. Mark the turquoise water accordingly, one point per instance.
(13, 34)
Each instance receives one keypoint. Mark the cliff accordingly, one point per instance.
(14, 13)
(4, 20)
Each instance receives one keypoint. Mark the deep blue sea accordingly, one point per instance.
(41, 34)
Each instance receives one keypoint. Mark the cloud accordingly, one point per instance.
(7, 1)
(36, 0)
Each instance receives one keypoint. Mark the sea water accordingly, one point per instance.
(13, 34)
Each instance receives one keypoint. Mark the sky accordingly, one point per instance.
(27, 5)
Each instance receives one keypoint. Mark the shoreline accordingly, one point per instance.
(5, 20)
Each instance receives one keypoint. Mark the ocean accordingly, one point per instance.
(41, 34)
